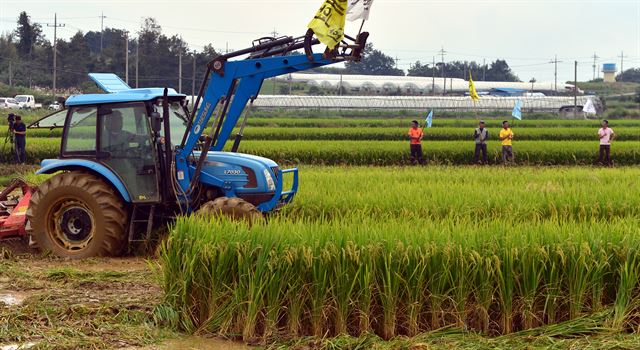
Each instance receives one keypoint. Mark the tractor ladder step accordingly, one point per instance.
(141, 222)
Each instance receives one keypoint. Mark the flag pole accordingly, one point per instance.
(361, 26)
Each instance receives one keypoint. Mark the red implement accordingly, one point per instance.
(13, 209)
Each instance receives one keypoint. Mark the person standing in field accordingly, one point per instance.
(415, 144)
(480, 136)
(506, 137)
(606, 135)
(20, 136)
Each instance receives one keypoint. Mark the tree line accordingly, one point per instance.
(26, 58)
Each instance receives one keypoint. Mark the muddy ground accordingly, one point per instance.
(50, 303)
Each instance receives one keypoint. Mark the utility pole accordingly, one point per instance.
(444, 85)
(396, 61)
(180, 69)
(193, 82)
(595, 57)
(622, 56)
(433, 77)
(555, 74)
(126, 56)
(10, 73)
(102, 17)
(484, 70)
(274, 33)
(575, 90)
(137, 59)
(55, 26)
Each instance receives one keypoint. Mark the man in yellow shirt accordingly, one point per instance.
(506, 136)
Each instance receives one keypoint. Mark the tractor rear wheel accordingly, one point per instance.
(77, 215)
(235, 208)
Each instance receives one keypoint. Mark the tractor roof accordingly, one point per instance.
(117, 91)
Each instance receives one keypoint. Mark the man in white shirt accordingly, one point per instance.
(606, 135)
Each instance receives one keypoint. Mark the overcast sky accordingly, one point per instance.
(527, 33)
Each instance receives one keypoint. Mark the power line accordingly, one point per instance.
(55, 26)
(126, 56)
(555, 73)
(622, 56)
(102, 17)
(444, 80)
(595, 58)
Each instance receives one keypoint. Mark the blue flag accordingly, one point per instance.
(429, 119)
(517, 110)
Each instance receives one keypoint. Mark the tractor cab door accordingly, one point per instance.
(125, 145)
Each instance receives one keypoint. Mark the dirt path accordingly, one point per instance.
(97, 303)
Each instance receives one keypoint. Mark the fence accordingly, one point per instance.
(486, 103)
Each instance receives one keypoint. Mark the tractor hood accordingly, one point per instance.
(236, 158)
(244, 173)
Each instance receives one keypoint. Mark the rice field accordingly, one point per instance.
(369, 141)
(372, 248)
(402, 251)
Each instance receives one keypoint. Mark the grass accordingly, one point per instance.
(322, 262)
(403, 251)
(433, 134)
(439, 152)
(96, 304)
(442, 193)
(444, 133)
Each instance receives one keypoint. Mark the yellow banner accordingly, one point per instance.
(472, 90)
(328, 23)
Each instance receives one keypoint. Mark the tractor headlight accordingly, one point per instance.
(270, 183)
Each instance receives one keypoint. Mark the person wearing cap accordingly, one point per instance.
(480, 136)
(606, 135)
(506, 137)
(20, 136)
(415, 144)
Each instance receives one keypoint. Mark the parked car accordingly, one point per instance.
(27, 102)
(55, 106)
(8, 102)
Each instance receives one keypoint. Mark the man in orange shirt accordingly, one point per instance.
(415, 135)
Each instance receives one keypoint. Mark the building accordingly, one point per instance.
(609, 70)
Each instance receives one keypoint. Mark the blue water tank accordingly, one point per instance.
(609, 67)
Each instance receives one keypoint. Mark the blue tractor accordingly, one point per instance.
(133, 159)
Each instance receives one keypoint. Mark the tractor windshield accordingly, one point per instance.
(178, 119)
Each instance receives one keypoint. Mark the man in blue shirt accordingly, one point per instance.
(20, 137)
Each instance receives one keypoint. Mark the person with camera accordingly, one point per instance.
(20, 140)
(11, 119)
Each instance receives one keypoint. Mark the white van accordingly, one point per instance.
(8, 102)
(27, 102)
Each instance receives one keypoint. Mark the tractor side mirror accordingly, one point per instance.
(156, 122)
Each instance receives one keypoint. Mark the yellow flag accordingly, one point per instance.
(328, 23)
(472, 90)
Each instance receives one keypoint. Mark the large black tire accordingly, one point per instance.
(77, 215)
(235, 208)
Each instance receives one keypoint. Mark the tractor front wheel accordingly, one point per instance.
(77, 215)
(233, 207)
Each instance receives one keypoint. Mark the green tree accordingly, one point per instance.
(8, 58)
(74, 61)
(375, 62)
(421, 70)
(629, 75)
(28, 34)
(500, 71)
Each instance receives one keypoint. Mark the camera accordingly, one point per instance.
(11, 119)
